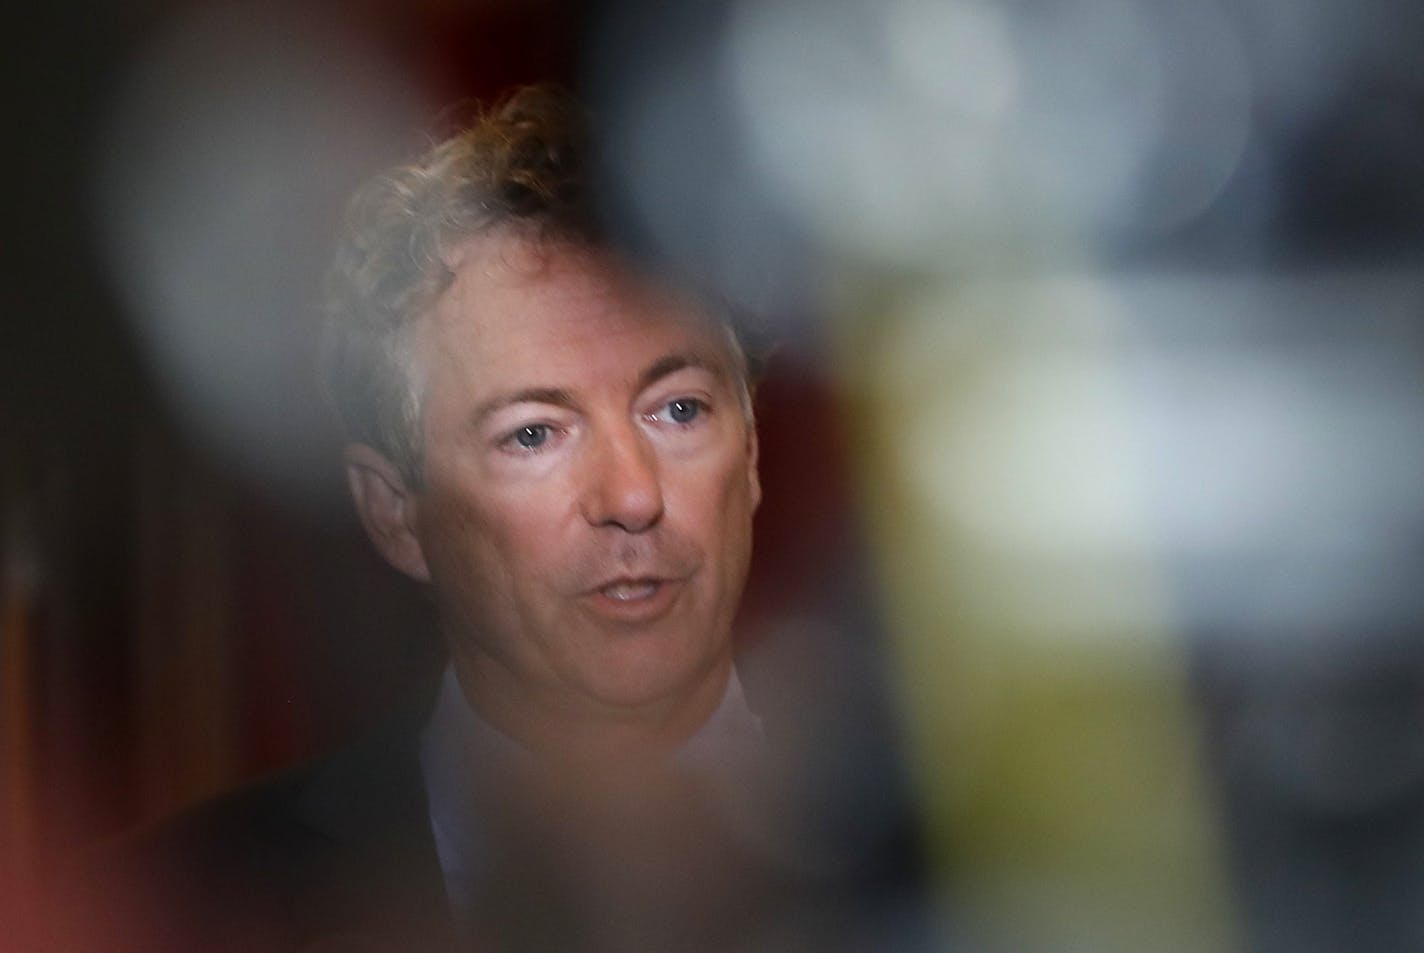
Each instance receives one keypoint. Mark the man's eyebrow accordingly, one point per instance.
(672, 363)
(557, 396)
(529, 395)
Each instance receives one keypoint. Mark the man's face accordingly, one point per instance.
(590, 479)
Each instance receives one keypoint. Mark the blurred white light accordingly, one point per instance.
(1207, 115)
(1260, 440)
(1256, 447)
(1035, 452)
(917, 132)
(1092, 108)
(227, 159)
(1138, 113)
(1037, 457)
(958, 53)
(865, 160)
(1282, 420)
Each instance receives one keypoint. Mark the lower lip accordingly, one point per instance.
(635, 603)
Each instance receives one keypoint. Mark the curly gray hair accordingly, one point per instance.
(520, 165)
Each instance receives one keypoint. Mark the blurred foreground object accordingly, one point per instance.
(1121, 300)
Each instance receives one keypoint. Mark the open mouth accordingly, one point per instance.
(639, 599)
(631, 590)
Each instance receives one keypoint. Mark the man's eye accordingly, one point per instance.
(531, 437)
(683, 410)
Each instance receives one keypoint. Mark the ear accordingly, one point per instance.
(753, 474)
(387, 507)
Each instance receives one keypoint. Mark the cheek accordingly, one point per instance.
(462, 532)
(738, 481)
(722, 501)
(456, 552)
(502, 541)
(485, 573)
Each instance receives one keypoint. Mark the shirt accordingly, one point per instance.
(457, 747)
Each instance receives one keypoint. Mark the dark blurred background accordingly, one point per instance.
(186, 599)
(1092, 442)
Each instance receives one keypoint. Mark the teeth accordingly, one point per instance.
(628, 591)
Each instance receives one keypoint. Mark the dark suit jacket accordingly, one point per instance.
(334, 855)
(337, 856)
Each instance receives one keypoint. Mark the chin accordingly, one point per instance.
(641, 682)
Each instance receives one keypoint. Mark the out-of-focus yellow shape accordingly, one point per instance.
(1055, 756)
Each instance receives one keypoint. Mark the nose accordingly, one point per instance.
(622, 487)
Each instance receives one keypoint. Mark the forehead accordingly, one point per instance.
(520, 312)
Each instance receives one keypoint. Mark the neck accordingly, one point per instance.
(571, 729)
